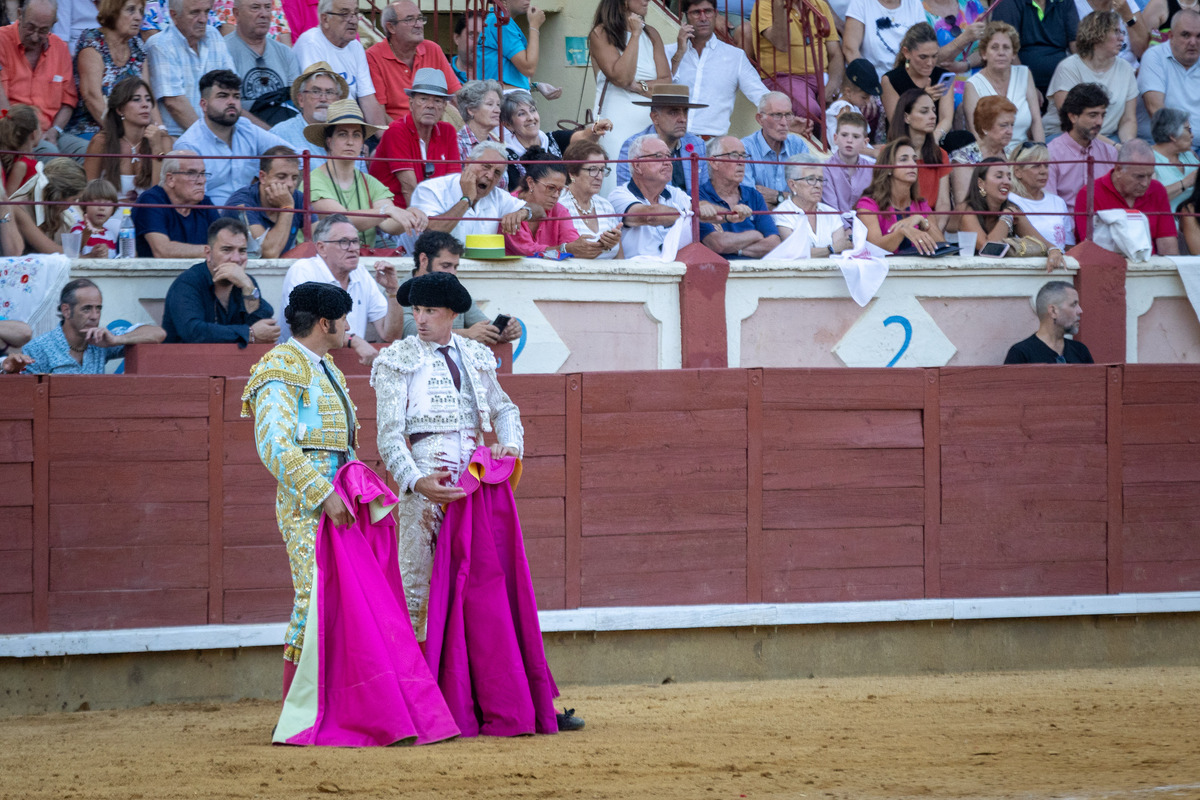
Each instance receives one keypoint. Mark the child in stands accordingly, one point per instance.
(99, 205)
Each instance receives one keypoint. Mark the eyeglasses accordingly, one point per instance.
(550, 188)
(345, 244)
(780, 116)
(421, 20)
(192, 175)
(323, 93)
(811, 180)
(342, 14)
(734, 156)
(597, 172)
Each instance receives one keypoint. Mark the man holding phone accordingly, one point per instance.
(435, 251)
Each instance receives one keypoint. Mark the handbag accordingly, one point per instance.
(1025, 247)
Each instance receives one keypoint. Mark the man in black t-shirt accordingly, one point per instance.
(1059, 314)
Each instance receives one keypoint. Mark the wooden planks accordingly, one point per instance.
(843, 497)
(18, 401)
(1024, 481)
(1160, 476)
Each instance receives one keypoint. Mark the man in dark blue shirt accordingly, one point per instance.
(275, 187)
(215, 301)
(179, 229)
(744, 233)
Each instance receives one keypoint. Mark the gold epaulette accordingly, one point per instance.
(283, 363)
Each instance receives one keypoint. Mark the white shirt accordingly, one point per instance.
(1180, 86)
(645, 240)
(600, 207)
(716, 74)
(1057, 227)
(819, 227)
(881, 41)
(370, 303)
(350, 61)
(227, 175)
(438, 195)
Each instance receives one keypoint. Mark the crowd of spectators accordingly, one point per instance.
(906, 113)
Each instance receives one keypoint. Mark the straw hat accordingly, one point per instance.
(319, 68)
(670, 95)
(486, 247)
(341, 112)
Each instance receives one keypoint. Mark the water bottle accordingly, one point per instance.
(126, 247)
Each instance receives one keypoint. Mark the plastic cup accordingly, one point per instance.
(966, 243)
(71, 242)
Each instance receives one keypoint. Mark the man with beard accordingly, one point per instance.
(1082, 116)
(179, 56)
(474, 196)
(1058, 313)
(312, 92)
(222, 132)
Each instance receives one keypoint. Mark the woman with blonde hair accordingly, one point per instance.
(1046, 211)
(998, 48)
(1099, 42)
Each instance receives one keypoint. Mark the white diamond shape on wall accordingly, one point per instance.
(895, 332)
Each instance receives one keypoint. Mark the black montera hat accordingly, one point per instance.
(435, 290)
(321, 299)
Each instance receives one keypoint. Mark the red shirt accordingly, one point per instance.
(392, 76)
(401, 148)
(47, 87)
(1154, 200)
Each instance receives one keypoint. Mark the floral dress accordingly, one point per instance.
(81, 122)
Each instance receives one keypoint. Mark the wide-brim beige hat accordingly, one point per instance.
(341, 112)
(670, 95)
(319, 68)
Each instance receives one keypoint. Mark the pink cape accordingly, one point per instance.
(483, 641)
(301, 15)
(361, 680)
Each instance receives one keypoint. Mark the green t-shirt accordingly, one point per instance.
(366, 191)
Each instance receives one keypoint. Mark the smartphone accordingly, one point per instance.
(993, 250)
(947, 80)
(501, 322)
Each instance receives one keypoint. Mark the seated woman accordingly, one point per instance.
(892, 208)
(479, 103)
(916, 120)
(336, 187)
(994, 117)
(542, 186)
(127, 129)
(916, 68)
(20, 131)
(803, 212)
(104, 56)
(1001, 76)
(1175, 164)
(593, 216)
(1045, 211)
(59, 184)
(1099, 40)
(522, 130)
(998, 219)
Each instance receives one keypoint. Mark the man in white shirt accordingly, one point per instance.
(474, 195)
(336, 263)
(179, 56)
(650, 203)
(1170, 73)
(223, 132)
(715, 71)
(335, 41)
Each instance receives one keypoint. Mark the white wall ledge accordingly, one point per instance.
(588, 620)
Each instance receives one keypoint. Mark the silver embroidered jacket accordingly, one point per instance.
(415, 394)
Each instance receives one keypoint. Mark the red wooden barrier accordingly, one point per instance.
(140, 501)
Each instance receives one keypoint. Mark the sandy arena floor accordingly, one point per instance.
(1098, 735)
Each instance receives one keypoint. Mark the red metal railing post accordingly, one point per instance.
(306, 177)
(1091, 195)
(695, 168)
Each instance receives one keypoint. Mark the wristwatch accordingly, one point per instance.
(256, 294)
(529, 212)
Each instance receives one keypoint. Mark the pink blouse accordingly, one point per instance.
(887, 220)
(553, 232)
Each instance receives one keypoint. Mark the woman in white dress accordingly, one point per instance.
(1000, 76)
(1046, 211)
(803, 213)
(629, 59)
(594, 217)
